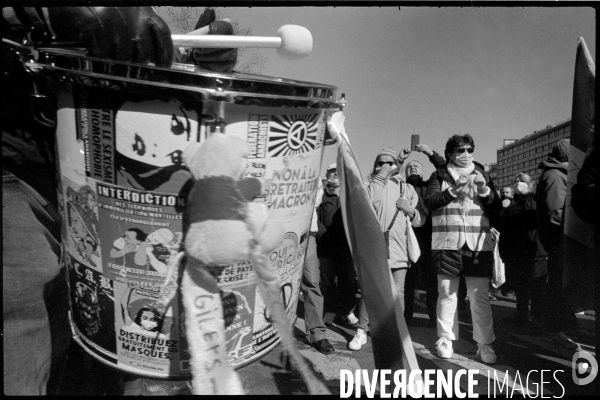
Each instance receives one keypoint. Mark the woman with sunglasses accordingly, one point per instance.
(462, 199)
(396, 204)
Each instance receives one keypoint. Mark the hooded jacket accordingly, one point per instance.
(550, 197)
(384, 192)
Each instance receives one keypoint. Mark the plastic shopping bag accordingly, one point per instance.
(498, 277)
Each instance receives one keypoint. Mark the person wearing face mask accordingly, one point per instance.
(396, 204)
(147, 322)
(461, 198)
(334, 254)
(522, 253)
(506, 195)
(414, 176)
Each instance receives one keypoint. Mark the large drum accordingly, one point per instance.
(121, 130)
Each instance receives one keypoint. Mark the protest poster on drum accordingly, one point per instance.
(123, 192)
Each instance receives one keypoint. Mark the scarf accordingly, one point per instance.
(465, 186)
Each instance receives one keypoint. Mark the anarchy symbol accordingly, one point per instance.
(297, 134)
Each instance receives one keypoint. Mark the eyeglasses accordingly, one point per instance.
(462, 150)
(382, 163)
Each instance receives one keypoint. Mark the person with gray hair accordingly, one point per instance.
(422, 270)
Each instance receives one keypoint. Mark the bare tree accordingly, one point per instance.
(183, 20)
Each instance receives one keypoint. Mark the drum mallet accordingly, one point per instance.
(292, 42)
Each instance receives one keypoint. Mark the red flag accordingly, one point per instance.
(579, 235)
(392, 347)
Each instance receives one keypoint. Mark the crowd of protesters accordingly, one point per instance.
(458, 218)
(453, 215)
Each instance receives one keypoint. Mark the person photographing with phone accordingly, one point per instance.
(396, 204)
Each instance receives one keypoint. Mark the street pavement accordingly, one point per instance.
(522, 355)
(520, 352)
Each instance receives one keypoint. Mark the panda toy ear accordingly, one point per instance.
(188, 155)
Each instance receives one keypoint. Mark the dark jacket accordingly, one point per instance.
(331, 238)
(460, 262)
(423, 232)
(550, 197)
(517, 225)
(584, 198)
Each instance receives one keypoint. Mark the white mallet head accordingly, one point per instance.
(296, 42)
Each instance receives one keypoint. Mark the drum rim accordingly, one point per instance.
(82, 65)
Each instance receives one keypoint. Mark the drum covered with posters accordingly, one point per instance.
(121, 132)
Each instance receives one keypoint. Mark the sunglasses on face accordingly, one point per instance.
(382, 163)
(462, 150)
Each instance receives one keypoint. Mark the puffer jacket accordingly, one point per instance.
(454, 227)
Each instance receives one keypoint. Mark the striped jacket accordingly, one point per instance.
(454, 226)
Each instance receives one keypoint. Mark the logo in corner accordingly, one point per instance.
(584, 363)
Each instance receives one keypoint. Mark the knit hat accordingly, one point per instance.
(388, 151)
(560, 150)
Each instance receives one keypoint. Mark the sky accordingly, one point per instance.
(493, 72)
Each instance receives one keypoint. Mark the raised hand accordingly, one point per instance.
(423, 148)
(479, 180)
(386, 169)
(404, 153)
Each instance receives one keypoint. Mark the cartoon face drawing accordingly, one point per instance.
(155, 132)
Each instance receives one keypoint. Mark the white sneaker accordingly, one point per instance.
(359, 339)
(350, 318)
(444, 347)
(486, 353)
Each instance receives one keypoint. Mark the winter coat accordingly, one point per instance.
(550, 197)
(423, 232)
(517, 225)
(584, 198)
(331, 237)
(384, 192)
(454, 227)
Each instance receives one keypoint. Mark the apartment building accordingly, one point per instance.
(524, 155)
